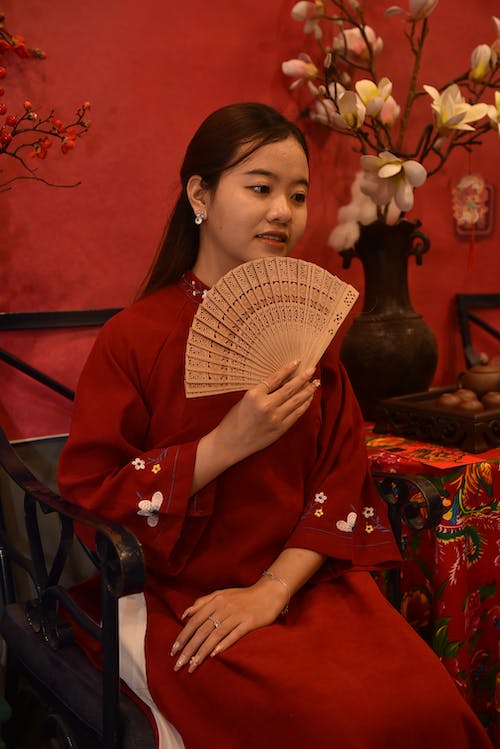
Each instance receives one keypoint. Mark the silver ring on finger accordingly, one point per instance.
(215, 622)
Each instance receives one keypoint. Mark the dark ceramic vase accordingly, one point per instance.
(389, 350)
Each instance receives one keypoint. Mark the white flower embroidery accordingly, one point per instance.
(368, 512)
(150, 509)
(320, 497)
(138, 464)
(348, 524)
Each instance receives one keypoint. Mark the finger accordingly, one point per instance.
(293, 409)
(193, 644)
(234, 635)
(192, 610)
(217, 643)
(288, 400)
(274, 380)
(192, 625)
(293, 386)
(198, 604)
(203, 641)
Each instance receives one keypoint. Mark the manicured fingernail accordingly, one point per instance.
(316, 383)
(193, 662)
(175, 648)
(215, 651)
(180, 663)
(185, 614)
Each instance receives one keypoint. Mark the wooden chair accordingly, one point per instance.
(83, 707)
(469, 307)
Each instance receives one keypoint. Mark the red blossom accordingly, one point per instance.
(58, 125)
(41, 147)
(15, 43)
(45, 128)
(69, 141)
(5, 137)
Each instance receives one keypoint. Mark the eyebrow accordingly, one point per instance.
(272, 175)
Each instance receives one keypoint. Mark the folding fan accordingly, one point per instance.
(260, 316)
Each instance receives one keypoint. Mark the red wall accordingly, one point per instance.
(152, 71)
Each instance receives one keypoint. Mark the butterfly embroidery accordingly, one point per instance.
(348, 524)
(151, 508)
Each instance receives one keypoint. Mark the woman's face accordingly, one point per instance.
(258, 209)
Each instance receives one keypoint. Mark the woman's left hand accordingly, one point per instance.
(217, 621)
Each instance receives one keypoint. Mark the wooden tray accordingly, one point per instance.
(420, 416)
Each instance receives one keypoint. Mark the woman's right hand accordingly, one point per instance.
(267, 411)
(261, 417)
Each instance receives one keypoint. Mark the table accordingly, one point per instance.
(450, 575)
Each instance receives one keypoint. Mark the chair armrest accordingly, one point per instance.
(116, 557)
(414, 498)
(118, 550)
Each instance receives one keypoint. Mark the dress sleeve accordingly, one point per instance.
(108, 466)
(344, 516)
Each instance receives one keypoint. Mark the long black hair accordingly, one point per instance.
(215, 147)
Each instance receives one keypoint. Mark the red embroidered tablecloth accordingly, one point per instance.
(450, 576)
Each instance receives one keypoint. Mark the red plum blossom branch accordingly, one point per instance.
(25, 135)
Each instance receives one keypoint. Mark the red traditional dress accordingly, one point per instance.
(342, 669)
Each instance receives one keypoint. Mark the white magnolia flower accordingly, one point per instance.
(482, 60)
(496, 44)
(418, 9)
(350, 42)
(309, 13)
(301, 67)
(387, 177)
(360, 211)
(451, 111)
(494, 112)
(374, 95)
(351, 112)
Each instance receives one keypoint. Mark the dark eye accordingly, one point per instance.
(260, 189)
(299, 197)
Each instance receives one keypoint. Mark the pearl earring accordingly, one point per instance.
(199, 218)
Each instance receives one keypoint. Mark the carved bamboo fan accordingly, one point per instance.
(260, 316)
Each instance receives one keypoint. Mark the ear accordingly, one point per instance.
(197, 193)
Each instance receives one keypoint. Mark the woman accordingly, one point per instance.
(256, 511)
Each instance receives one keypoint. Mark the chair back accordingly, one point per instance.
(469, 308)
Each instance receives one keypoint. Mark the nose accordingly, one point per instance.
(280, 210)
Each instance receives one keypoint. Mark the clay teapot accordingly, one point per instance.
(481, 378)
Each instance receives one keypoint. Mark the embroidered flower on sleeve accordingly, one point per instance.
(369, 528)
(318, 512)
(151, 508)
(156, 468)
(368, 512)
(347, 525)
(138, 464)
(320, 498)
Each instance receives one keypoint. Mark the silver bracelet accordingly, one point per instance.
(268, 573)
